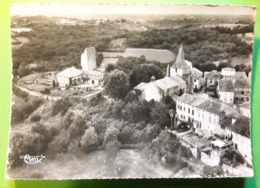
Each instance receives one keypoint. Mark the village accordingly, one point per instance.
(212, 112)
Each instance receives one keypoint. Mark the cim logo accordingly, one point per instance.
(32, 159)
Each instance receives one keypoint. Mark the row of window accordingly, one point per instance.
(189, 111)
(242, 99)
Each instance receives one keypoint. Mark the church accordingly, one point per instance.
(180, 78)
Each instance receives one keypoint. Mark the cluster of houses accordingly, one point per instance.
(218, 123)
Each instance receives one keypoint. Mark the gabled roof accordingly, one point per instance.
(169, 82)
(70, 72)
(213, 75)
(180, 60)
(226, 86)
(140, 86)
(196, 73)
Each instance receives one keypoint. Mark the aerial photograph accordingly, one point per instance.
(130, 91)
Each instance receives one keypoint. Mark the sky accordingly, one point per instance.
(56, 9)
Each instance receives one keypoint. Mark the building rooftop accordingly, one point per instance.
(70, 72)
(169, 82)
(213, 75)
(245, 105)
(160, 55)
(226, 86)
(195, 140)
(196, 73)
(242, 83)
(96, 73)
(209, 104)
(140, 86)
(241, 126)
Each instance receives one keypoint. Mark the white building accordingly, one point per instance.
(226, 91)
(88, 59)
(69, 77)
(197, 80)
(205, 113)
(228, 73)
(158, 89)
(95, 77)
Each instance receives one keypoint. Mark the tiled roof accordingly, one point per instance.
(169, 82)
(160, 55)
(213, 75)
(70, 72)
(226, 86)
(245, 105)
(196, 73)
(241, 126)
(209, 104)
(242, 83)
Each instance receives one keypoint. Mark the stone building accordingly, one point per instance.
(226, 91)
(88, 59)
(242, 89)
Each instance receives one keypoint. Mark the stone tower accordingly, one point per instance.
(88, 59)
(182, 68)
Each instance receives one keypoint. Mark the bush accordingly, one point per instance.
(35, 118)
(89, 140)
(61, 106)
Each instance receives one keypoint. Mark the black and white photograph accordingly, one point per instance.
(124, 91)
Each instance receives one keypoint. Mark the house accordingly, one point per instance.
(228, 73)
(212, 78)
(226, 91)
(95, 77)
(88, 59)
(167, 86)
(69, 77)
(197, 80)
(242, 89)
(239, 133)
(205, 113)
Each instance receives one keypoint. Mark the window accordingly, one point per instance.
(192, 112)
(195, 80)
(188, 110)
(242, 99)
(247, 99)
(242, 92)
(236, 98)
(180, 107)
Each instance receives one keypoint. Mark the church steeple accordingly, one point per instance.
(180, 59)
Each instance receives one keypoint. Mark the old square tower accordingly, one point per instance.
(88, 59)
(182, 68)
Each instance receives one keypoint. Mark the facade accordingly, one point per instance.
(205, 113)
(69, 77)
(95, 77)
(168, 86)
(226, 91)
(242, 89)
(88, 59)
(240, 75)
(197, 80)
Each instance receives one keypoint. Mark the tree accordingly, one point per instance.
(89, 140)
(116, 84)
(99, 58)
(143, 73)
(110, 67)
